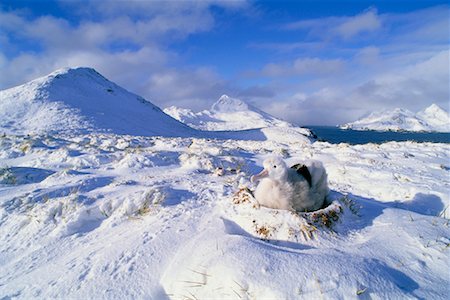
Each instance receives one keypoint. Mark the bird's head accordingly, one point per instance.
(274, 168)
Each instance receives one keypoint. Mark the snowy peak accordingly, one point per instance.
(396, 116)
(433, 108)
(78, 100)
(434, 112)
(227, 113)
(231, 114)
(433, 118)
(228, 104)
(82, 76)
(87, 80)
(77, 72)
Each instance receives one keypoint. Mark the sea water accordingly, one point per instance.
(336, 135)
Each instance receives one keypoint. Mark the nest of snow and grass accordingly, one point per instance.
(274, 224)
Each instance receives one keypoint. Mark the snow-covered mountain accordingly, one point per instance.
(433, 118)
(227, 114)
(79, 100)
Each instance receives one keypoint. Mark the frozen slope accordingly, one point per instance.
(80, 100)
(104, 216)
(432, 118)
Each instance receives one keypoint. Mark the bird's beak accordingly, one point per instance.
(264, 173)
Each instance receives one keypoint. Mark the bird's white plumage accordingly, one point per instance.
(283, 188)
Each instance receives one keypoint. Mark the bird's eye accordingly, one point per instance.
(274, 166)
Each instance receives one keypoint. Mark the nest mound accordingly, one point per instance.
(277, 224)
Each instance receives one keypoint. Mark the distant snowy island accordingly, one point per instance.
(431, 119)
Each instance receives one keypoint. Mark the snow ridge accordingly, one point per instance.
(228, 104)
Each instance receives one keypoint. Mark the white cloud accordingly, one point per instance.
(342, 27)
(368, 56)
(304, 66)
(186, 87)
(415, 87)
(317, 66)
(362, 23)
(428, 26)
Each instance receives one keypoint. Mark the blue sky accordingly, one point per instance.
(310, 62)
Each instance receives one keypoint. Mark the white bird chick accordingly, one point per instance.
(300, 188)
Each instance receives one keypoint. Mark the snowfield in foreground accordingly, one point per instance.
(104, 216)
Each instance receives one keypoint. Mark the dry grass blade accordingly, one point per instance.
(192, 297)
(361, 291)
(307, 231)
(242, 288)
(240, 297)
(193, 282)
(201, 273)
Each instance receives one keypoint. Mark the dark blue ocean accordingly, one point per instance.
(336, 135)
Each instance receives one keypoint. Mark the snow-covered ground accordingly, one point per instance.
(110, 216)
(431, 119)
(91, 213)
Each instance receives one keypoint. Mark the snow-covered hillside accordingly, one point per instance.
(80, 100)
(227, 114)
(430, 119)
